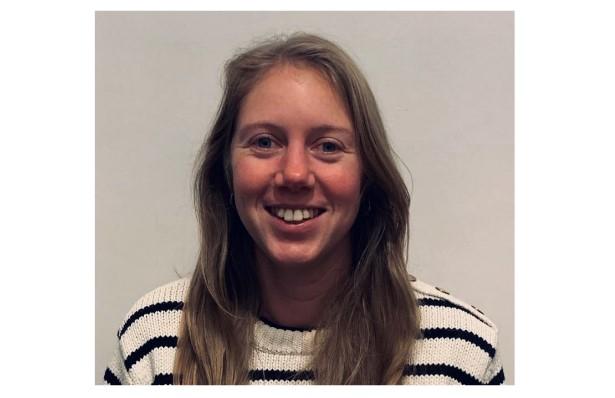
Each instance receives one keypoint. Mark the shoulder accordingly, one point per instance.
(148, 334)
(436, 301)
(168, 297)
(156, 313)
(458, 341)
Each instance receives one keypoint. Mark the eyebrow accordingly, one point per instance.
(272, 126)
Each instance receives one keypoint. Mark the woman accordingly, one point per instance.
(301, 276)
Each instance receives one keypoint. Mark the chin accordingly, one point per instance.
(292, 261)
(293, 254)
(289, 257)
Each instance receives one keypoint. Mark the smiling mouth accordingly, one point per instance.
(294, 216)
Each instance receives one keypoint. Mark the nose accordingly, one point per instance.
(295, 172)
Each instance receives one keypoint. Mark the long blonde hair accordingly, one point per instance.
(367, 334)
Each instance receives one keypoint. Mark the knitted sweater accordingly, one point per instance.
(458, 344)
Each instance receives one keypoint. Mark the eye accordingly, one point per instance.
(329, 147)
(264, 142)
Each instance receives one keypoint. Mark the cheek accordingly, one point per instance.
(345, 187)
(249, 178)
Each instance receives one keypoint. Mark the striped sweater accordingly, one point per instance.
(458, 343)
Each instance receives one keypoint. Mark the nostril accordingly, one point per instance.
(295, 178)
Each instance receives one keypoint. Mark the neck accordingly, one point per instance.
(296, 295)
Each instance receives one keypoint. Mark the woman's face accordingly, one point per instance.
(296, 170)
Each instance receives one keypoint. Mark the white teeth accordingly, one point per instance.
(294, 214)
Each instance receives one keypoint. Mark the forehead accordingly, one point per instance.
(297, 93)
(298, 72)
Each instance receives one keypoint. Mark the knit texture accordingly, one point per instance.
(458, 344)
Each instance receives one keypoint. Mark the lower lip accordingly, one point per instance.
(302, 228)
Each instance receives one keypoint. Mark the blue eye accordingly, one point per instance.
(264, 142)
(329, 147)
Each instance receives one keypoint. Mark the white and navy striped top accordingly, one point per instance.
(458, 344)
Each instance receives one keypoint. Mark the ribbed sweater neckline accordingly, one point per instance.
(277, 339)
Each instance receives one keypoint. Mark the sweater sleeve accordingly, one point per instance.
(116, 373)
(494, 374)
(147, 340)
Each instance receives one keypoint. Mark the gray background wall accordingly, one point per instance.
(445, 86)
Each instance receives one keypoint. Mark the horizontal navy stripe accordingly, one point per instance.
(451, 333)
(431, 302)
(280, 375)
(283, 327)
(178, 305)
(441, 370)
(110, 378)
(286, 375)
(163, 379)
(164, 306)
(139, 353)
(498, 378)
